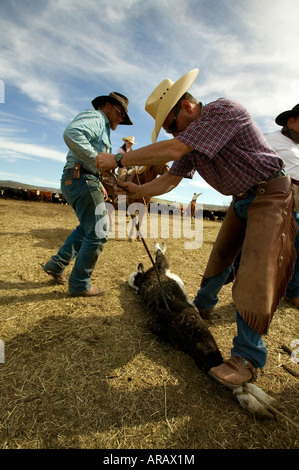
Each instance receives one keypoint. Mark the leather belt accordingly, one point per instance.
(78, 170)
(254, 189)
(251, 192)
(86, 172)
(282, 184)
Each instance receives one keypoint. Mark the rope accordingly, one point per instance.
(146, 247)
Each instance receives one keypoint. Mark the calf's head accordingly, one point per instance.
(135, 279)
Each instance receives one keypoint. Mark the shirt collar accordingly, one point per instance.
(105, 117)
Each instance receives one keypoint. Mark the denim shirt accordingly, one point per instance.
(86, 136)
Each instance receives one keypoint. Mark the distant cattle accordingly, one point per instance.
(34, 195)
(6, 192)
(209, 215)
(43, 196)
(220, 215)
(46, 196)
(214, 215)
(58, 198)
(14, 193)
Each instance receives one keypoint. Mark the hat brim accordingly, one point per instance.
(127, 140)
(283, 118)
(99, 100)
(175, 93)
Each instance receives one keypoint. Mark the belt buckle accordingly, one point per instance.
(241, 195)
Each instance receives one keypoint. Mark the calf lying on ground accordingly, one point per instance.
(176, 321)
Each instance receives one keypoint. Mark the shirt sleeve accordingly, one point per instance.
(183, 167)
(218, 123)
(82, 132)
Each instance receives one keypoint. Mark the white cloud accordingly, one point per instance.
(20, 149)
(235, 45)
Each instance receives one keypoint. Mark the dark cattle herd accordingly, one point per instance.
(22, 194)
(213, 215)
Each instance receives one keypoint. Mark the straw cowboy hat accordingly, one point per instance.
(164, 98)
(114, 98)
(282, 118)
(130, 139)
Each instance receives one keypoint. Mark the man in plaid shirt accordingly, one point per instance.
(228, 150)
(222, 143)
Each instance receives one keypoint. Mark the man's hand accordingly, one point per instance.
(130, 189)
(105, 162)
(105, 194)
(156, 187)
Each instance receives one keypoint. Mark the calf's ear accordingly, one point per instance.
(140, 268)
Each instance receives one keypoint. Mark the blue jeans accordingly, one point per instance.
(247, 343)
(293, 286)
(207, 296)
(86, 242)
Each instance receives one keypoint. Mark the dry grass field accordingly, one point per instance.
(88, 374)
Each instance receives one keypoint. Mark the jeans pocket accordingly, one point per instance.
(95, 189)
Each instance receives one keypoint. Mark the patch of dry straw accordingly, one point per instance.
(87, 373)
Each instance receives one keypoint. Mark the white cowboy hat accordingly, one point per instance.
(130, 139)
(164, 98)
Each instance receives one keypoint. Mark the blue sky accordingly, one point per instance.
(57, 55)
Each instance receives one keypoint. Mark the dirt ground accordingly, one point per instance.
(88, 374)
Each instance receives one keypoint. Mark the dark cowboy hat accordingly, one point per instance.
(114, 98)
(282, 118)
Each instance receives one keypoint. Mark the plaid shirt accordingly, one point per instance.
(230, 152)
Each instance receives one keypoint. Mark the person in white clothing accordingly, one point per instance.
(195, 196)
(285, 142)
(126, 147)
